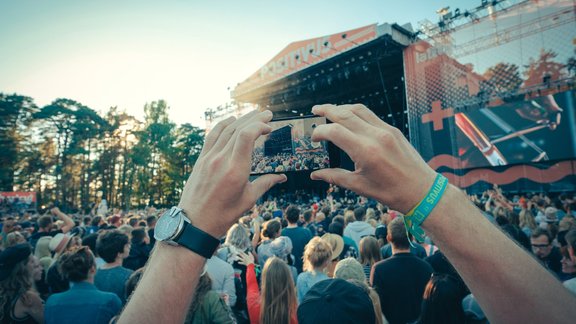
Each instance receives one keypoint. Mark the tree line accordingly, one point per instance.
(68, 153)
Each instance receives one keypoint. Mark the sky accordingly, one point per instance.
(127, 53)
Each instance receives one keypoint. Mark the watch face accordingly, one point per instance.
(167, 225)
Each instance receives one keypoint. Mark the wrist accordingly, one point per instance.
(201, 220)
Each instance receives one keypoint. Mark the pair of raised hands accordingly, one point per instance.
(387, 168)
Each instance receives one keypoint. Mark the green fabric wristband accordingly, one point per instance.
(415, 217)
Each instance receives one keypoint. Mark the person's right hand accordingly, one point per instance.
(245, 258)
(387, 167)
(218, 191)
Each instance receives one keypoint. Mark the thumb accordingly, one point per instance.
(263, 183)
(339, 177)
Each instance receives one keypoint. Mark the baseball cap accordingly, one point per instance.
(336, 301)
(11, 256)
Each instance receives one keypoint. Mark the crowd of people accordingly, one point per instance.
(57, 267)
(287, 162)
(343, 258)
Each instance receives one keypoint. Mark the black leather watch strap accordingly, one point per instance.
(197, 240)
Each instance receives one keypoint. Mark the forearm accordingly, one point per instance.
(171, 274)
(499, 273)
(68, 222)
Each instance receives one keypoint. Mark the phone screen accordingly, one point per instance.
(289, 147)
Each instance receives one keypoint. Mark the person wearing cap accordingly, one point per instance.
(19, 301)
(46, 226)
(59, 244)
(317, 257)
(387, 169)
(545, 251)
(298, 235)
(400, 279)
(336, 301)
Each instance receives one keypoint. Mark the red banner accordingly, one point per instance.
(299, 55)
(23, 197)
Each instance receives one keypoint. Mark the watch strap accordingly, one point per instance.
(197, 240)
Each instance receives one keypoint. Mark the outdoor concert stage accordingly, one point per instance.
(486, 95)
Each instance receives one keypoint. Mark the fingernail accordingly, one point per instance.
(284, 178)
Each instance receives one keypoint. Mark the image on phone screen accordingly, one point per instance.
(289, 147)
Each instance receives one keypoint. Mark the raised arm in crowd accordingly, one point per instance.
(500, 274)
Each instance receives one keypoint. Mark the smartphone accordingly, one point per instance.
(289, 147)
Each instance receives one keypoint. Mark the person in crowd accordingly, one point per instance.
(571, 250)
(389, 170)
(208, 306)
(19, 301)
(151, 222)
(113, 246)
(317, 257)
(298, 235)
(90, 241)
(83, 302)
(222, 278)
(358, 228)
(281, 248)
(96, 224)
(14, 238)
(400, 279)
(132, 282)
(309, 221)
(276, 300)
(415, 248)
(337, 244)
(349, 250)
(543, 249)
(336, 301)
(46, 224)
(237, 240)
(442, 301)
(43, 253)
(126, 229)
(59, 244)
(350, 269)
(270, 230)
(8, 226)
(139, 250)
(369, 254)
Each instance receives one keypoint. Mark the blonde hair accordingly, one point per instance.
(278, 296)
(238, 237)
(527, 219)
(317, 254)
(349, 217)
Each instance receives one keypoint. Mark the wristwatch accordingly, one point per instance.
(175, 228)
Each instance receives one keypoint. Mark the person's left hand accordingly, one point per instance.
(218, 191)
